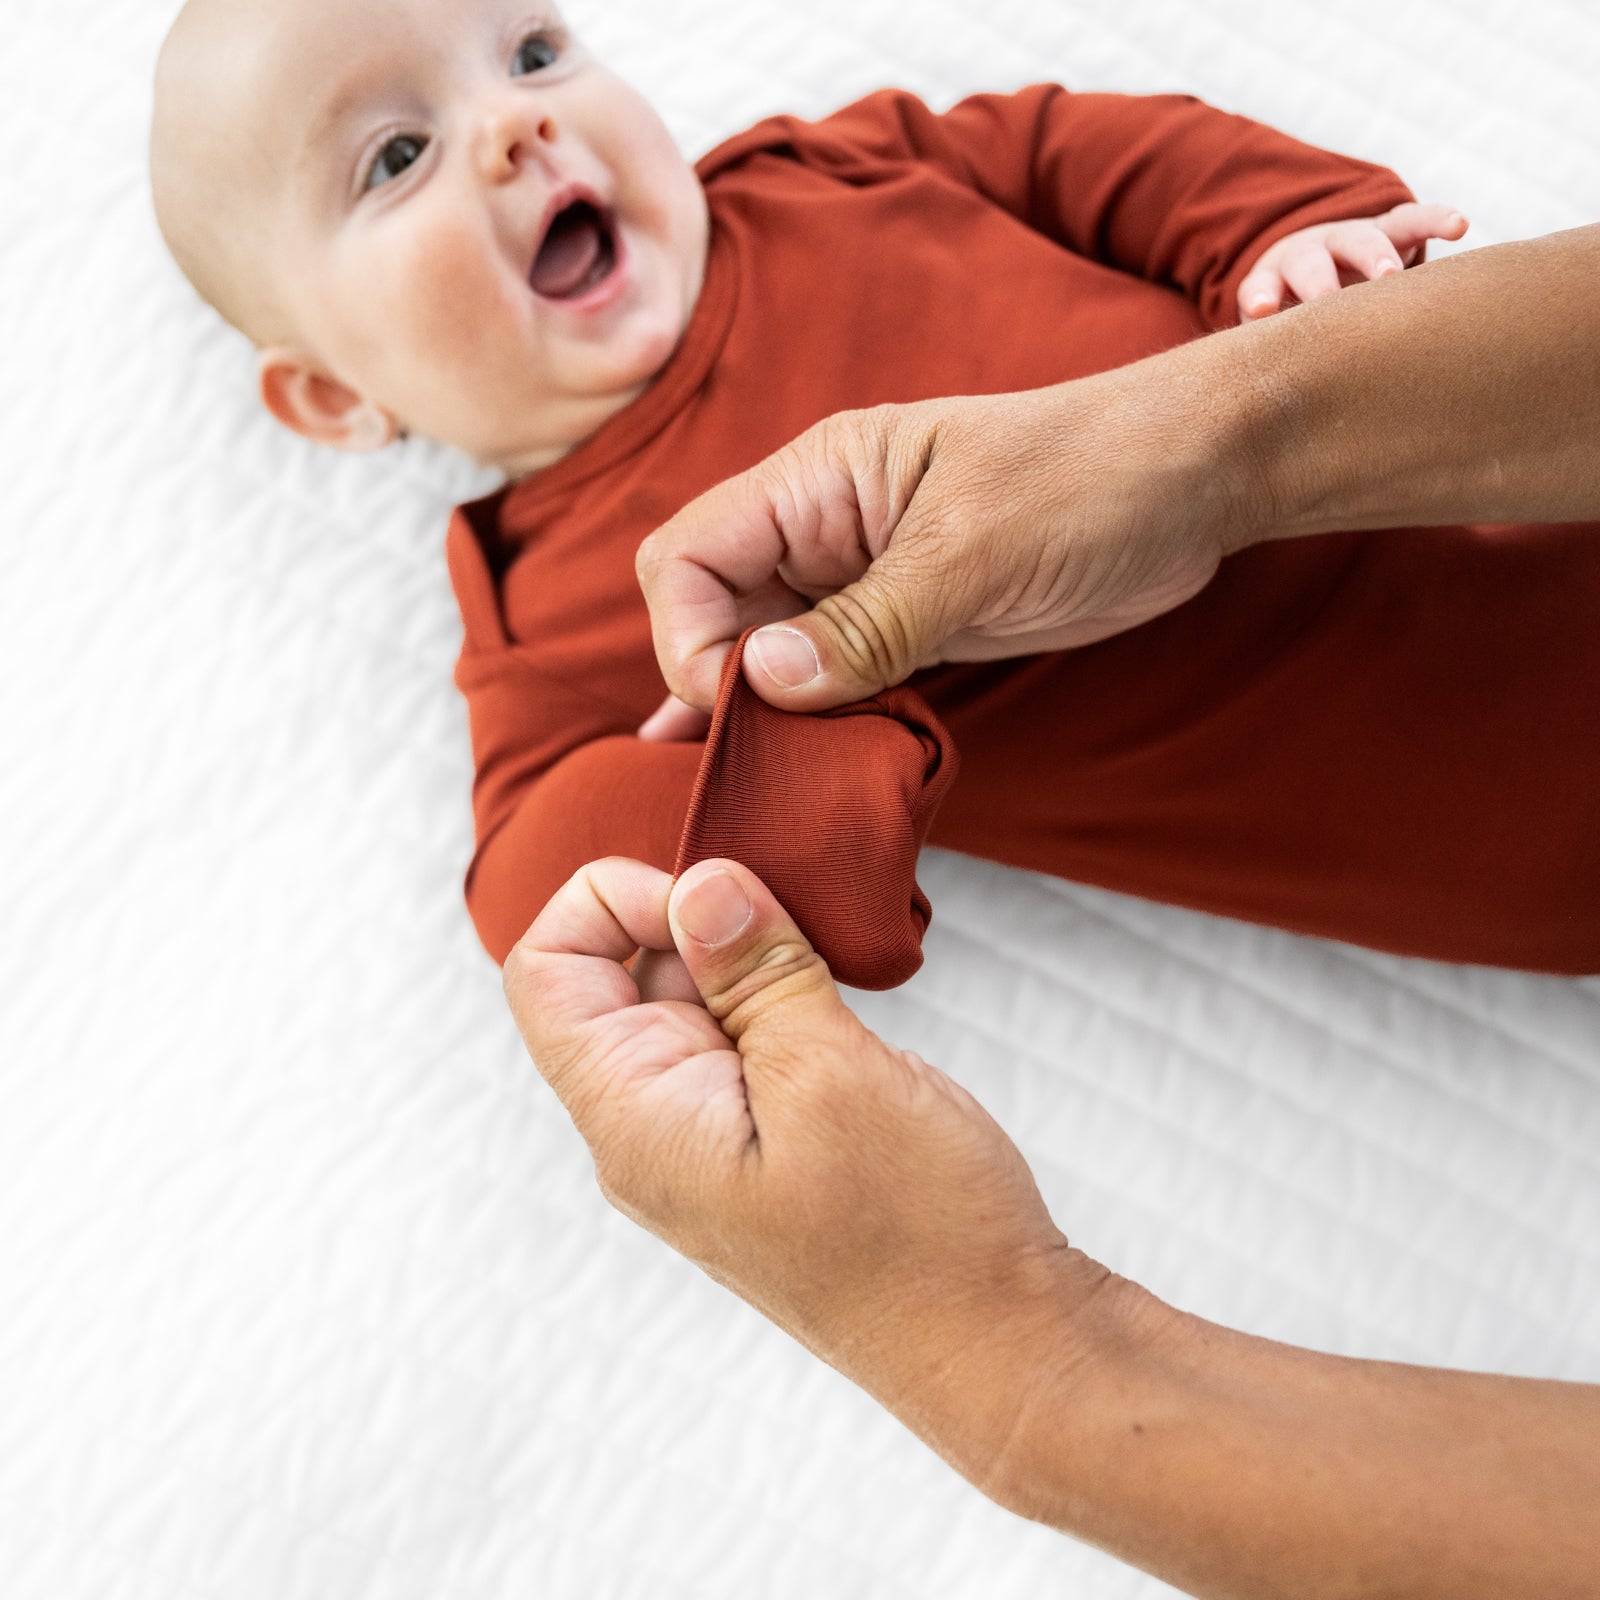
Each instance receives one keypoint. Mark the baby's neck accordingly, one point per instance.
(580, 425)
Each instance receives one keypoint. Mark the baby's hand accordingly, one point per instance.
(1318, 260)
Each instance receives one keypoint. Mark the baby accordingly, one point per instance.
(444, 216)
(469, 227)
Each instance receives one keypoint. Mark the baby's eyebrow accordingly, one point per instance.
(330, 113)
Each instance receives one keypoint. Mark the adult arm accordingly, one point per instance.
(1466, 391)
(871, 1208)
(974, 528)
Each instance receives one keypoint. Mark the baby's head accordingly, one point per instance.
(440, 215)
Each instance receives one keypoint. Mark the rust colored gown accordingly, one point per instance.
(1386, 737)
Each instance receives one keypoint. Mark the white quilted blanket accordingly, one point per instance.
(307, 1291)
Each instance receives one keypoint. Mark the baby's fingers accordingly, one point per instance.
(1364, 249)
(1310, 273)
(1411, 225)
(1261, 293)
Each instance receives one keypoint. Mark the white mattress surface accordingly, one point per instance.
(308, 1290)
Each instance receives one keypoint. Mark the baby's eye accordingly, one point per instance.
(394, 158)
(534, 54)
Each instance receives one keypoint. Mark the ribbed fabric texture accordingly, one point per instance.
(829, 810)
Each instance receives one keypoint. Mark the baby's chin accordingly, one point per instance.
(544, 400)
(620, 376)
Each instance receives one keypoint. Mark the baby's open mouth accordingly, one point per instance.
(578, 252)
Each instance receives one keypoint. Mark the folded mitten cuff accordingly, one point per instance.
(829, 810)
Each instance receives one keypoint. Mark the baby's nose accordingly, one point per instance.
(507, 137)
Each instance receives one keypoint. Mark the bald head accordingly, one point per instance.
(365, 188)
(211, 174)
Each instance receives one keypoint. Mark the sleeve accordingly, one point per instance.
(829, 810)
(616, 796)
(1161, 186)
(559, 780)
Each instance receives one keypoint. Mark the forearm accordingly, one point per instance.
(1241, 1469)
(1015, 524)
(1463, 391)
(612, 796)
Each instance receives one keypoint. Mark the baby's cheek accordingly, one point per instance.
(456, 301)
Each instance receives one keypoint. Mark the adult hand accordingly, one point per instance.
(951, 530)
(1462, 391)
(736, 1108)
(869, 1206)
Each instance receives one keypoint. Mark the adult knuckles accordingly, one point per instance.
(786, 481)
(648, 557)
(523, 977)
(845, 433)
(803, 479)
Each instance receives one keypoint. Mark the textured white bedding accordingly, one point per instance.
(307, 1291)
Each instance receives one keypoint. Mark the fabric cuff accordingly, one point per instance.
(829, 809)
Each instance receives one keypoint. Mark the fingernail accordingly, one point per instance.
(1455, 219)
(1386, 269)
(785, 656)
(714, 910)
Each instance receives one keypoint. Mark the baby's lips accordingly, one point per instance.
(579, 248)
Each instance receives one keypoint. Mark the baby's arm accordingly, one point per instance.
(1161, 186)
(610, 797)
(828, 810)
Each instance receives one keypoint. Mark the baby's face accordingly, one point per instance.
(473, 224)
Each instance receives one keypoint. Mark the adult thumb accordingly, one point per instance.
(760, 978)
(853, 644)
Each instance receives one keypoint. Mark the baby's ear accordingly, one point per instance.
(321, 408)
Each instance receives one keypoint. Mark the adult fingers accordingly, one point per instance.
(674, 721)
(905, 550)
(710, 573)
(870, 635)
(834, 516)
(567, 969)
(661, 975)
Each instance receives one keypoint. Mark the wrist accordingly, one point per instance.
(1250, 422)
(1202, 427)
(1074, 1363)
